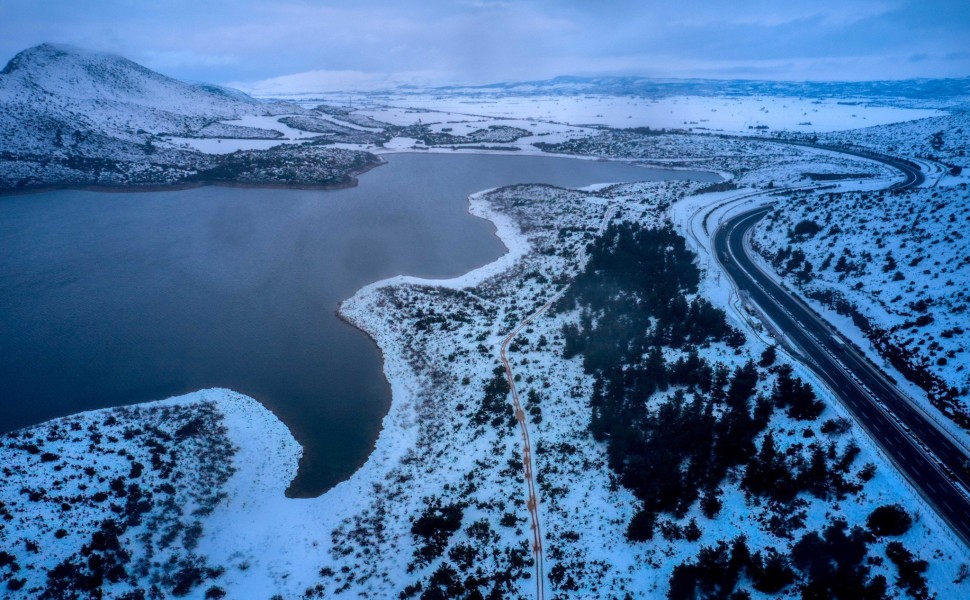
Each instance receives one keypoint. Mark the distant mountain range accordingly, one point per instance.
(916, 89)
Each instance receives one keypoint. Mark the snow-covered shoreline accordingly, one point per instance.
(350, 182)
(358, 537)
(430, 449)
(267, 455)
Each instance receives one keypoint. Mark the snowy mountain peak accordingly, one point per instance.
(70, 72)
(39, 56)
(58, 99)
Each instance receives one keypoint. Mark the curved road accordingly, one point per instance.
(914, 177)
(931, 461)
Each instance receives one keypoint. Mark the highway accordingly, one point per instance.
(931, 461)
(914, 177)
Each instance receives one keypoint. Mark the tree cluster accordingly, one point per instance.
(434, 528)
(831, 564)
(717, 570)
(634, 302)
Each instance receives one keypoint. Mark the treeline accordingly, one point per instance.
(637, 300)
(835, 563)
(675, 429)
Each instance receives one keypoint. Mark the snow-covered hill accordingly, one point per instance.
(938, 144)
(57, 91)
(71, 75)
(70, 116)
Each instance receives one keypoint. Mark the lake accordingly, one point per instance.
(109, 299)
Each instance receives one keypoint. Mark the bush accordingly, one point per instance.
(770, 572)
(891, 519)
(834, 564)
(909, 569)
(710, 504)
(836, 426)
(797, 396)
(187, 578)
(806, 228)
(640, 528)
(714, 574)
(692, 532)
(768, 357)
(435, 527)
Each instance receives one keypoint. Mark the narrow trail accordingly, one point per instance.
(533, 501)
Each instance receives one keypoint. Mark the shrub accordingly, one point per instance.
(891, 519)
(834, 564)
(806, 228)
(640, 528)
(836, 426)
(909, 570)
(768, 357)
(770, 572)
(435, 527)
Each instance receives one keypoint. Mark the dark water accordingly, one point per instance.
(111, 299)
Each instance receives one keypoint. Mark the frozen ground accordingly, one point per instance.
(729, 115)
(444, 453)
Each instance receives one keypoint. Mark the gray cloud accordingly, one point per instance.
(468, 41)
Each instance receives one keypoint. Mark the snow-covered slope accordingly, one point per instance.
(70, 74)
(82, 90)
(72, 117)
(938, 144)
(895, 264)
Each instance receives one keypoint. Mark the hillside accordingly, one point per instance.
(897, 265)
(938, 144)
(72, 117)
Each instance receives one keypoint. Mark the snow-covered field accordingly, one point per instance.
(443, 451)
(699, 113)
(124, 495)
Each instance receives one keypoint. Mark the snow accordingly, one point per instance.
(936, 143)
(226, 145)
(223, 145)
(700, 113)
(921, 231)
(440, 340)
(270, 544)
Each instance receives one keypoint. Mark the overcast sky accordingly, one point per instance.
(315, 46)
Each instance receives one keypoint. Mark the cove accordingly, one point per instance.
(109, 299)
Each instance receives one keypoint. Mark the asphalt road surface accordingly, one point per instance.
(932, 462)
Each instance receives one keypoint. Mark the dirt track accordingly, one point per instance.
(533, 501)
